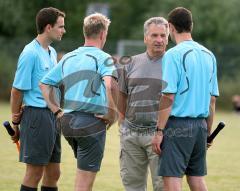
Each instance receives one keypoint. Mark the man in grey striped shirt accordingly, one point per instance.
(140, 90)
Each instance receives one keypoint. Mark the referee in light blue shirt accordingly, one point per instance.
(40, 145)
(187, 106)
(89, 78)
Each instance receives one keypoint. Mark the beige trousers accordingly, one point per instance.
(136, 156)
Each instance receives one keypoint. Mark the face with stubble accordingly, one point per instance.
(156, 39)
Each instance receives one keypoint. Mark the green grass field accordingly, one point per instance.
(223, 160)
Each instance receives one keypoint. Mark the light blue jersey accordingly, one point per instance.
(33, 63)
(191, 74)
(81, 72)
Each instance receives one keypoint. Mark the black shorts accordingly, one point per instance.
(184, 148)
(40, 143)
(86, 134)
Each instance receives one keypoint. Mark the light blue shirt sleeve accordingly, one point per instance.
(23, 76)
(170, 73)
(215, 91)
(54, 76)
(108, 68)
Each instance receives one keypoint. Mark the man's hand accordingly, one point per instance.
(15, 137)
(60, 114)
(108, 119)
(209, 145)
(156, 142)
(121, 118)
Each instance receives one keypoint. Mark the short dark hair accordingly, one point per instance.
(47, 16)
(181, 18)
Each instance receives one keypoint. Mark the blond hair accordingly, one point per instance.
(94, 24)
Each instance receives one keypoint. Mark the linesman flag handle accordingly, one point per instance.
(11, 132)
(220, 126)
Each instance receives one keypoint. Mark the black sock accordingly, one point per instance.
(26, 188)
(45, 188)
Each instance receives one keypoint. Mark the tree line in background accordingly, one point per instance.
(215, 25)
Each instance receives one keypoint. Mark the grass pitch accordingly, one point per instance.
(223, 160)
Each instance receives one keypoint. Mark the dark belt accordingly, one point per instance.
(33, 107)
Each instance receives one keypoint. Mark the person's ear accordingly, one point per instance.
(171, 28)
(101, 35)
(48, 27)
(145, 39)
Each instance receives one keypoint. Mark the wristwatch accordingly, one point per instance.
(57, 112)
